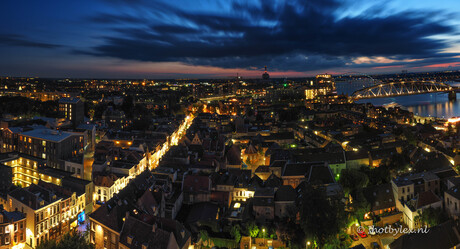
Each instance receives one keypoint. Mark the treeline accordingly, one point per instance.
(21, 106)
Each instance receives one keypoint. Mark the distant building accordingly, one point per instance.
(443, 236)
(285, 198)
(52, 145)
(452, 198)
(6, 174)
(12, 229)
(265, 75)
(72, 109)
(196, 188)
(322, 85)
(264, 204)
(115, 118)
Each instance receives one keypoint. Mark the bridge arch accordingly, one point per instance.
(392, 89)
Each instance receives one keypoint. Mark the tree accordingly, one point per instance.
(322, 218)
(352, 179)
(286, 230)
(340, 241)
(398, 162)
(73, 240)
(236, 233)
(431, 217)
(409, 136)
(253, 229)
(333, 243)
(360, 205)
(204, 236)
(377, 176)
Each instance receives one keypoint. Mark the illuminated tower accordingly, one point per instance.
(265, 76)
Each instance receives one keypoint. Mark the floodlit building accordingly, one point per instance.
(72, 109)
(12, 229)
(50, 210)
(105, 186)
(52, 145)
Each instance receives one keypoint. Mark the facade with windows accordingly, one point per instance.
(72, 109)
(28, 170)
(51, 145)
(106, 186)
(50, 210)
(12, 229)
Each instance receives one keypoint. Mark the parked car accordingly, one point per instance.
(362, 234)
(354, 237)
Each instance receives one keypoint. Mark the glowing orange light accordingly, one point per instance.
(453, 120)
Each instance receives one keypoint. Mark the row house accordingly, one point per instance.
(12, 229)
(134, 218)
(107, 185)
(50, 210)
(196, 188)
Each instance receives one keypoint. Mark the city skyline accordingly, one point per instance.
(217, 39)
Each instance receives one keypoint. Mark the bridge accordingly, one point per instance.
(392, 89)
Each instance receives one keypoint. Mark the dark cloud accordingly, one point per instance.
(17, 40)
(291, 35)
(107, 18)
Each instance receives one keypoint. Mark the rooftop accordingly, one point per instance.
(49, 134)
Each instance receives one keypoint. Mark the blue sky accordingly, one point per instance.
(216, 38)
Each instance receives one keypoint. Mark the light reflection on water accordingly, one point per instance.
(431, 104)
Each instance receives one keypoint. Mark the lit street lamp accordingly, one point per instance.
(263, 232)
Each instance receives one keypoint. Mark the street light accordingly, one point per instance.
(263, 231)
(307, 244)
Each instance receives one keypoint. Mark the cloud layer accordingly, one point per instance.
(286, 35)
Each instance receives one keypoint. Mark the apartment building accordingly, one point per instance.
(52, 145)
(12, 229)
(50, 210)
(105, 186)
(72, 109)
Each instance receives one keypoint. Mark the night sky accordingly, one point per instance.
(214, 38)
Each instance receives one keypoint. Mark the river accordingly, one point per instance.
(427, 105)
